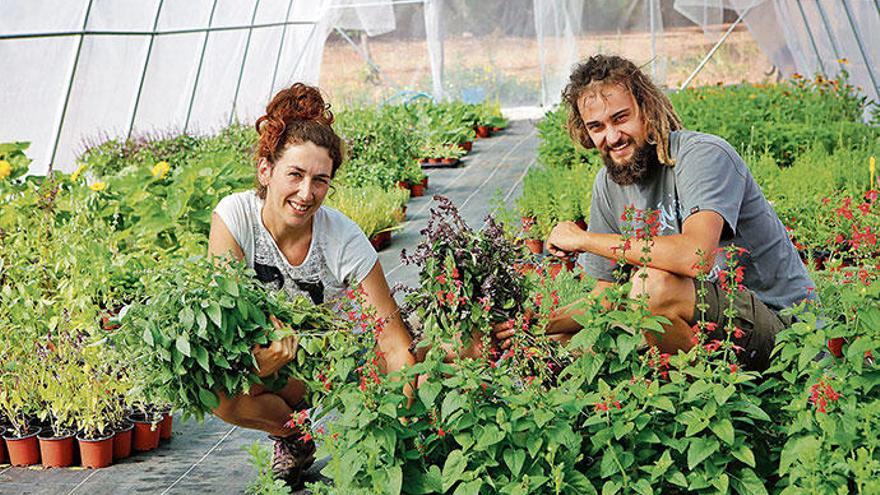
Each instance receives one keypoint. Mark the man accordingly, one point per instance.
(706, 197)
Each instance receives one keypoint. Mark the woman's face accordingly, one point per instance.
(298, 183)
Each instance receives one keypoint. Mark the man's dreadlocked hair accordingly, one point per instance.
(655, 108)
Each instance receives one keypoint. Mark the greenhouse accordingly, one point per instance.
(439, 246)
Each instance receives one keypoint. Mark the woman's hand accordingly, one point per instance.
(280, 352)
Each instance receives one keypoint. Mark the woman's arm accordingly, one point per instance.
(273, 357)
(394, 340)
(221, 242)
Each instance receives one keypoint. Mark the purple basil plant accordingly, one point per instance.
(485, 262)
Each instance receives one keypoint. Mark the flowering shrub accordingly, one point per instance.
(828, 400)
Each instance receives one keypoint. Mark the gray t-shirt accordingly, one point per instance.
(708, 176)
(339, 255)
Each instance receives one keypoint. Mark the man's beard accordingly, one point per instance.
(634, 170)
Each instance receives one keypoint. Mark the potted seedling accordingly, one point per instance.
(18, 400)
(96, 394)
(413, 176)
(377, 212)
(59, 395)
(450, 154)
(146, 429)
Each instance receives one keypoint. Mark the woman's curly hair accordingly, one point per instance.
(655, 108)
(296, 115)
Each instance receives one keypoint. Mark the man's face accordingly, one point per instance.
(616, 127)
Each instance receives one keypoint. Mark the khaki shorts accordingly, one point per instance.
(759, 324)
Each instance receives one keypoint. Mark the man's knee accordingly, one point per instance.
(665, 291)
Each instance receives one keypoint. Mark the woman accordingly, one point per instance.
(297, 245)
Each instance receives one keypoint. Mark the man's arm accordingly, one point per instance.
(673, 253)
(564, 321)
(562, 325)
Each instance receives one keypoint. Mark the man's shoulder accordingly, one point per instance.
(700, 148)
(684, 140)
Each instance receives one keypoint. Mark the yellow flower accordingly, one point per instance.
(75, 175)
(5, 169)
(98, 186)
(160, 169)
(753, 96)
(843, 61)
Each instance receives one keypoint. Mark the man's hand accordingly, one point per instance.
(280, 352)
(566, 239)
(503, 332)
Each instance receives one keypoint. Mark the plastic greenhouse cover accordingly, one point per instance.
(196, 65)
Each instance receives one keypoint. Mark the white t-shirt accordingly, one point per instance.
(339, 256)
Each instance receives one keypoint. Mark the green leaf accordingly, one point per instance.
(678, 479)
(754, 411)
(661, 465)
(388, 409)
(664, 403)
(453, 468)
(625, 344)
(242, 306)
(469, 488)
(697, 389)
(610, 487)
(642, 487)
(608, 466)
(182, 345)
(489, 436)
(723, 429)
(433, 479)
(534, 443)
(723, 393)
(795, 449)
(395, 480)
(230, 287)
(215, 314)
(721, 482)
(187, 317)
(428, 393)
(201, 320)
(579, 483)
(148, 337)
(209, 399)
(695, 422)
(748, 482)
(221, 361)
(201, 356)
(451, 403)
(700, 449)
(514, 460)
(744, 454)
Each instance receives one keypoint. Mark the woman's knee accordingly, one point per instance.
(229, 409)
